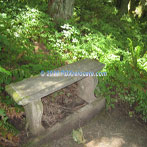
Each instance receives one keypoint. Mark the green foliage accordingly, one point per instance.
(120, 84)
(4, 125)
(2, 70)
(136, 52)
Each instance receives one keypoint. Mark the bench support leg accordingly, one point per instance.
(34, 113)
(86, 87)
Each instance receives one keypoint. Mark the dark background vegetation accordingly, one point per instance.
(106, 30)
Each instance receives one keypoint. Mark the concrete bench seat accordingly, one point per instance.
(29, 92)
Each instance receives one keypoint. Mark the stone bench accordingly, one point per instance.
(29, 92)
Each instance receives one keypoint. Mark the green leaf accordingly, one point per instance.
(2, 112)
(4, 71)
(78, 136)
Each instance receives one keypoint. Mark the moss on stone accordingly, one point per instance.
(12, 92)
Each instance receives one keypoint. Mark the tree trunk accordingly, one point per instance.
(124, 7)
(61, 9)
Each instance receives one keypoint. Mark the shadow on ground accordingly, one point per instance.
(108, 129)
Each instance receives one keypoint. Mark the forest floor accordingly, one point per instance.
(109, 129)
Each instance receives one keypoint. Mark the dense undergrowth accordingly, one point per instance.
(30, 42)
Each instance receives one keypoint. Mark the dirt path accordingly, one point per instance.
(108, 129)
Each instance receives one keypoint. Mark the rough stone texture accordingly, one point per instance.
(34, 113)
(71, 122)
(85, 89)
(31, 89)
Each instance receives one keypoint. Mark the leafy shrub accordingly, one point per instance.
(120, 85)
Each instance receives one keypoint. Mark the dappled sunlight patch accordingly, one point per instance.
(111, 57)
(142, 62)
(106, 142)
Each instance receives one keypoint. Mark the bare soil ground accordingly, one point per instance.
(108, 129)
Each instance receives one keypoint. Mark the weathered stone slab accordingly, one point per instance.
(34, 88)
